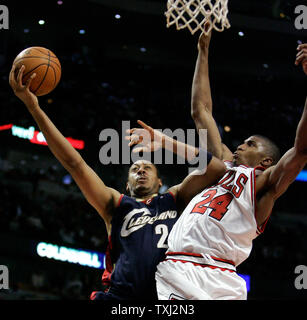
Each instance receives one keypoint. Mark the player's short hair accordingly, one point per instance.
(157, 170)
(271, 148)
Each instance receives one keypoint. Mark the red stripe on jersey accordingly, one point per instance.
(93, 295)
(171, 193)
(200, 264)
(119, 200)
(198, 255)
(260, 229)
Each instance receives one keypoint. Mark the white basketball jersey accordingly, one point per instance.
(220, 221)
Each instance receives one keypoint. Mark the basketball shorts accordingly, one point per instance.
(178, 280)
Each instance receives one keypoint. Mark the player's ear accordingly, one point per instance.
(160, 183)
(266, 162)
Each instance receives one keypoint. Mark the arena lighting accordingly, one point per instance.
(86, 258)
(247, 279)
(302, 176)
(37, 137)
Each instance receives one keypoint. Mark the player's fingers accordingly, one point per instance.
(301, 52)
(19, 76)
(12, 76)
(144, 125)
(302, 46)
(301, 57)
(29, 81)
(135, 139)
(140, 149)
(130, 130)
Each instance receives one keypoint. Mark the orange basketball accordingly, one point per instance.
(44, 63)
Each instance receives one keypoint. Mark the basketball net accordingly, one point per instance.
(195, 14)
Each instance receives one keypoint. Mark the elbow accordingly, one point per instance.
(73, 165)
(199, 108)
(300, 149)
(194, 113)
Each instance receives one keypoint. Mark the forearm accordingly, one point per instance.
(183, 150)
(57, 143)
(301, 133)
(201, 91)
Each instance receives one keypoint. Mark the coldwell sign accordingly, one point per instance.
(36, 137)
(60, 253)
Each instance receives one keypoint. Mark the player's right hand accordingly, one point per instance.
(22, 91)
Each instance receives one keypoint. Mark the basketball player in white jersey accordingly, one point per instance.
(215, 232)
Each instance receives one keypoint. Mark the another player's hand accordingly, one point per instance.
(301, 57)
(148, 138)
(22, 91)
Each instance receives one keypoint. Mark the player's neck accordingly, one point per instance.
(144, 198)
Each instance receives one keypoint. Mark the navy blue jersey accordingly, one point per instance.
(138, 242)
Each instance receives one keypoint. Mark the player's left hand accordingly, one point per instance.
(148, 138)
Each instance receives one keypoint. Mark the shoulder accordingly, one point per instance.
(172, 192)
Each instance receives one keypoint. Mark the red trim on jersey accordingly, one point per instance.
(229, 173)
(171, 193)
(200, 264)
(93, 295)
(223, 260)
(259, 168)
(198, 255)
(244, 166)
(106, 276)
(260, 229)
(119, 200)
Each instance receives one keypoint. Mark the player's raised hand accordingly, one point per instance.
(204, 40)
(301, 57)
(22, 91)
(148, 138)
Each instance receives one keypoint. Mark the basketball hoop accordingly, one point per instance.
(195, 14)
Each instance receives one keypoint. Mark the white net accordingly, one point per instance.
(195, 14)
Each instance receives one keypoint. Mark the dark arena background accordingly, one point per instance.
(120, 62)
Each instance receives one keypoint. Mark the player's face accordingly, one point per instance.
(143, 179)
(250, 153)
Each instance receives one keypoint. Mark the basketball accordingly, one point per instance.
(44, 63)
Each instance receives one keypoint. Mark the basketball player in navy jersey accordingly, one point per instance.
(137, 226)
(214, 234)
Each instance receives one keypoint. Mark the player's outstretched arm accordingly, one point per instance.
(149, 139)
(201, 104)
(102, 198)
(276, 180)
